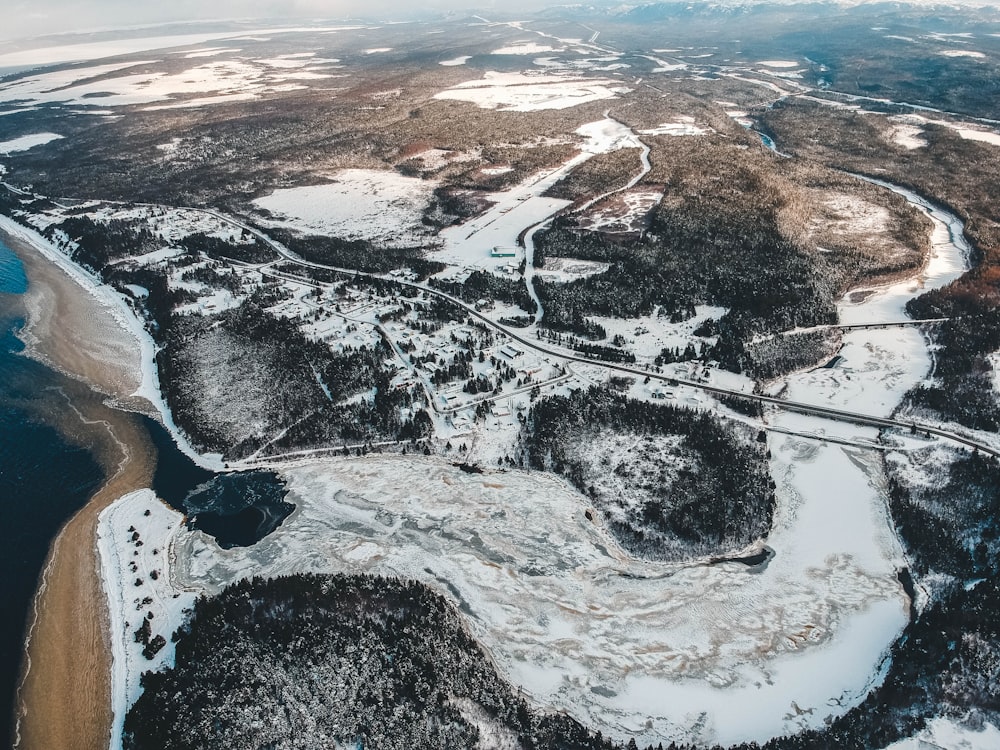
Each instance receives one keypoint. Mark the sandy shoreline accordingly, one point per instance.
(64, 695)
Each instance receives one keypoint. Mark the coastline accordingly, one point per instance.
(83, 328)
(69, 328)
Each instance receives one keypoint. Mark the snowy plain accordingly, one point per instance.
(378, 205)
(529, 92)
(26, 142)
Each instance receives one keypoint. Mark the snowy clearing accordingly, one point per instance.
(962, 53)
(456, 61)
(626, 211)
(26, 142)
(907, 135)
(778, 63)
(569, 269)
(984, 136)
(524, 92)
(648, 335)
(524, 48)
(964, 129)
(382, 206)
(685, 126)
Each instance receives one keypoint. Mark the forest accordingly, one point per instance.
(768, 283)
(245, 380)
(673, 482)
(962, 387)
(315, 661)
(485, 285)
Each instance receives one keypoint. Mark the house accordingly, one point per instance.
(510, 351)
(499, 410)
(501, 251)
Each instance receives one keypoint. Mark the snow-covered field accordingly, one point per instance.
(26, 142)
(456, 61)
(906, 134)
(685, 127)
(512, 211)
(527, 92)
(382, 206)
(568, 269)
(219, 80)
(524, 48)
(962, 53)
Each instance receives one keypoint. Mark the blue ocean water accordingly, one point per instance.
(12, 278)
(43, 481)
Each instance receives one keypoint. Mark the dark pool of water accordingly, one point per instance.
(237, 508)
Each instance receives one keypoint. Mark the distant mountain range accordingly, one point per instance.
(653, 11)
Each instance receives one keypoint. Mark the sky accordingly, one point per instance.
(28, 18)
(25, 18)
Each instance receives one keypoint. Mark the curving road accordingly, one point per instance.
(839, 415)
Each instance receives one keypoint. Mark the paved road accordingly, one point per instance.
(839, 415)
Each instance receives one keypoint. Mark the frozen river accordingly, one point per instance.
(695, 652)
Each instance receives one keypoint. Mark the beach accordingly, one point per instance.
(64, 695)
